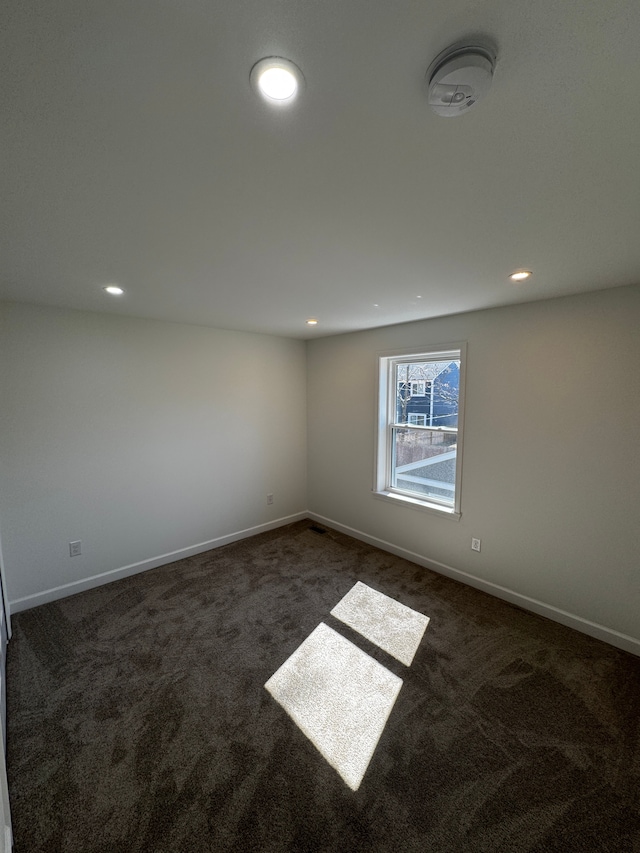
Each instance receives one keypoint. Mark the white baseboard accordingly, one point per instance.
(135, 568)
(593, 629)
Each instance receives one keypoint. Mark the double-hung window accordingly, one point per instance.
(419, 448)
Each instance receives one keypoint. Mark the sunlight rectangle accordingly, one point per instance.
(392, 626)
(339, 697)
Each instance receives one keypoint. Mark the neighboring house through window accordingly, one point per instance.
(420, 428)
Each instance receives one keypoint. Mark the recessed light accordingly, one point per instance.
(277, 80)
(312, 322)
(113, 290)
(520, 275)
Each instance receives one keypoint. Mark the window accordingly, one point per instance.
(419, 451)
(417, 419)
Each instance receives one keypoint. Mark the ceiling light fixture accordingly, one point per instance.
(113, 290)
(277, 80)
(520, 275)
(312, 322)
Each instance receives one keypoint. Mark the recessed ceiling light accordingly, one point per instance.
(113, 289)
(277, 80)
(520, 275)
(312, 322)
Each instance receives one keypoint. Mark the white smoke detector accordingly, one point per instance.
(458, 78)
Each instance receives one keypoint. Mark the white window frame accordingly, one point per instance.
(418, 387)
(386, 418)
(417, 418)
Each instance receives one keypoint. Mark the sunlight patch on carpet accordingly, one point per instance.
(339, 697)
(392, 626)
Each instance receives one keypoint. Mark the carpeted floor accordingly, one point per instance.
(138, 718)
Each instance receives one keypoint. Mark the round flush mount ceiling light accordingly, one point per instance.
(520, 275)
(312, 321)
(277, 80)
(113, 290)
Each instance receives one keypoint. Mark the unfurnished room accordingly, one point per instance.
(319, 426)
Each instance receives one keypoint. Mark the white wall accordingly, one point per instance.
(139, 438)
(551, 469)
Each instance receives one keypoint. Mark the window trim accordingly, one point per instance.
(385, 418)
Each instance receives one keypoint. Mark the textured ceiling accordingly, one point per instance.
(135, 151)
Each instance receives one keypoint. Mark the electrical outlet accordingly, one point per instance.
(269, 499)
(475, 544)
(75, 548)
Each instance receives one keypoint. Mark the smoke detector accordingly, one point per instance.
(458, 78)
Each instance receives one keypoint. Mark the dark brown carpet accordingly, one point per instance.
(138, 720)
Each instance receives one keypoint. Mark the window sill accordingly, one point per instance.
(415, 503)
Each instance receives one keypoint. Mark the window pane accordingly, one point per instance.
(424, 462)
(428, 389)
(420, 428)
